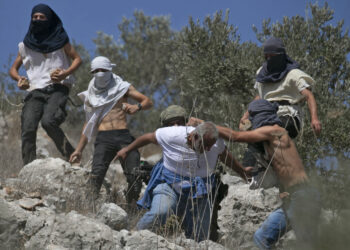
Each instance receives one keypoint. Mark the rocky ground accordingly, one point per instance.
(45, 207)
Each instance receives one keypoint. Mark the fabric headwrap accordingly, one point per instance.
(275, 68)
(263, 113)
(98, 102)
(101, 62)
(45, 36)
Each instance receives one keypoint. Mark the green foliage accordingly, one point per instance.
(211, 69)
(141, 58)
(322, 50)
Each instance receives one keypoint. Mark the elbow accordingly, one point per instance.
(149, 103)
(78, 61)
(12, 73)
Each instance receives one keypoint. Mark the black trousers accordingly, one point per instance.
(48, 105)
(107, 144)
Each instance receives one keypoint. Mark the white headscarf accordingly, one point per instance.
(98, 102)
(101, 62)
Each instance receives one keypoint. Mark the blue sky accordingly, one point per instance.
(83, 18)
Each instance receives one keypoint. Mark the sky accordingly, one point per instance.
(83, 18)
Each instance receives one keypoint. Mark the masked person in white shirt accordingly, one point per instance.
(45, 53)
(106, 107)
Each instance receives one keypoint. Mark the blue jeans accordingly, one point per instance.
(165, 202)
(301, 212)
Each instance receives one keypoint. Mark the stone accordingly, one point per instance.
(113, 216)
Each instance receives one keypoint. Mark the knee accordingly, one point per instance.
(259, 239)
(48, 123)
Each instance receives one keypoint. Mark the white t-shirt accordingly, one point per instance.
(182, 160)
(39, 66)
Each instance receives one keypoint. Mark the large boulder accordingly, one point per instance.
(12, 222)
(56, 177)
(73, 231)
(113, 216)
(243, 211)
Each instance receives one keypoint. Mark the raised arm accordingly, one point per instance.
(311, 102)
(265, 133)
(138, 143)
(261, 134)
(143, 100)
(227, 158)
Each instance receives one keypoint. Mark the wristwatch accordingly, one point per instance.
(139, 106)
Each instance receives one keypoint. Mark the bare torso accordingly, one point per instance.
(116, 118)
(286, 161)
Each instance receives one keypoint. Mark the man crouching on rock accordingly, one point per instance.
(106, 107)
(301, 202)
(184, 181)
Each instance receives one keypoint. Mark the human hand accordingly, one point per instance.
(58, 75)
(316, 126)
(122, 154)
(248, 171)
(244, 124)
(75, 157)
(194, 122)
(23, 83)
(129, 108)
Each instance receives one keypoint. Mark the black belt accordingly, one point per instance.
(282, 102)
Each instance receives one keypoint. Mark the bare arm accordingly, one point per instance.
(227, 158)
(76, 61)
(261, 134)
(15, 67)
(257, 135)
(76, 155)
(138, 143)
(311, 102)
(14, 72)
(145, 102)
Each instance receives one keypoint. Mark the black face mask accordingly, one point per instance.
(40, 26)
(277, 63)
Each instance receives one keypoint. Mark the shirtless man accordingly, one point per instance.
(301, 204)
(105, 105)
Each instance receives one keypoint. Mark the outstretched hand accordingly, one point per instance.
(75, 157)
(194, 122)
(121, 154)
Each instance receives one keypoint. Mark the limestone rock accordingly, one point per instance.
(73, 231)
(56, 177)
(113, 216)
(243, 211)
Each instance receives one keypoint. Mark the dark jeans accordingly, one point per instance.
(292, 125)
(107, 144)
(48, 105)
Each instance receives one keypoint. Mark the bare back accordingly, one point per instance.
(286, 161)
(116, 118)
